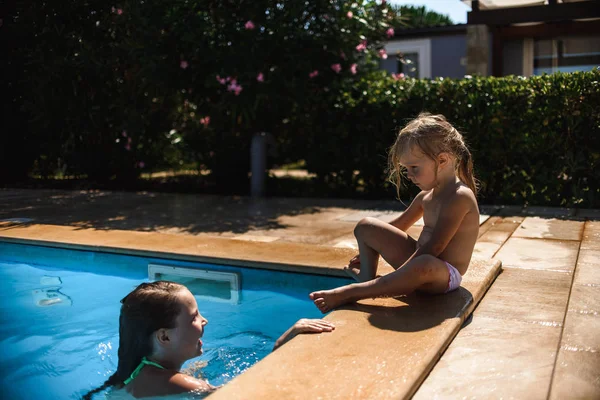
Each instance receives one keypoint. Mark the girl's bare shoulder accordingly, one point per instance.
(465, 194)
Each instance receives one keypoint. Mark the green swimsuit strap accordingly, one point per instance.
(136, 372)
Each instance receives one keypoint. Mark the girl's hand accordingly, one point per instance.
(305, 325)
(354, 260)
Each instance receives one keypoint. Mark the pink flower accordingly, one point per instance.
(260, 77)
(313, 74)
(128, 147)
(183, 64)
(205, 121)
(114, 10)
(398, 76)
(234, 87)
(222, 81)
(343, 55)
(362, 46)
(119, 11)
(124, 133)
(336, 67)
(383, 54)
(141, 164)
(353, 69)
(390, 32)
(349, 14)
(128, 140)
(249, 25)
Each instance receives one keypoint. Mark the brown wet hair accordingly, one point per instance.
(148, 308)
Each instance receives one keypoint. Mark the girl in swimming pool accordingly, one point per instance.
(160, 328)
(432, 154)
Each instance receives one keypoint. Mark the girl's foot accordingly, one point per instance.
(327, 300)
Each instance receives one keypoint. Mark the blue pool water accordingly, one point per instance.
(59, 318)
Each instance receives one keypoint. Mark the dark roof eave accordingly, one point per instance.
(430, 31)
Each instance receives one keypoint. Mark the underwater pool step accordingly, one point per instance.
(210, 285)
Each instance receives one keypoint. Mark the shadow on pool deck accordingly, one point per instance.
(176, 213)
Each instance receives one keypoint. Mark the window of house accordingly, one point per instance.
(566, 54)
(408, 64)
(413, 57)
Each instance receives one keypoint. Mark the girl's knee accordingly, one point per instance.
(364, 225)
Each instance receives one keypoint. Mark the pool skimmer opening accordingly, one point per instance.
(219, 286)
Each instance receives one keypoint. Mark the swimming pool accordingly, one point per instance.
(59, 313)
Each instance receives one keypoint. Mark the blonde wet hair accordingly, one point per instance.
(432, 135)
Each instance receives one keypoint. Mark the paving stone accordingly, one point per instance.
(349, 243)
(493, 236)
(481, 363)
(588, 267)
(577, 371)
(485, 249)
(576, 375)
(488, 224)
(357, 216)
(483, 218)
(415, 231)
(388, 216)
(540, 228)
(257, 238)
(540, 254)
(533, 296)
(507, 224)
(583, 312)
(591, 236)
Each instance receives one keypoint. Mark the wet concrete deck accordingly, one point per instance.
(535, 334)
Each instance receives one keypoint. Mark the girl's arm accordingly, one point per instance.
(411, 214)
(449, 219)
(304, 326)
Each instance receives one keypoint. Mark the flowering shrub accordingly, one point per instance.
(187, 80)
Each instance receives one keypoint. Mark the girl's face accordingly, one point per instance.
(419, 168)
(186, 335)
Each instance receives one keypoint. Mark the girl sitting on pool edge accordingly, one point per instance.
(432, 154)
(159, 329)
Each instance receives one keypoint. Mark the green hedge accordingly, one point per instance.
(534, 140)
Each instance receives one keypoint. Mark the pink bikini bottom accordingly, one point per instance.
(454, 279)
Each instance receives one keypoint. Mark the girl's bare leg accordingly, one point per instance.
(374, 238)
(425, 272)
